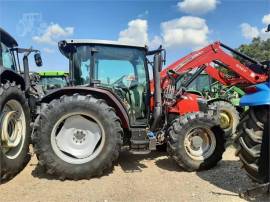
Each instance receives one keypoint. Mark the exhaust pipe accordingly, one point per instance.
(26, 71)
(157, 94)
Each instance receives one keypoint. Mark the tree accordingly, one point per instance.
(258, 49)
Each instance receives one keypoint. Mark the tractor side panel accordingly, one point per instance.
(106, 95)
(187, 103)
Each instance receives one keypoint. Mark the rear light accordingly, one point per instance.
(251, 89)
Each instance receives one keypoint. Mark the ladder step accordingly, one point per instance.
(136, 142)
(143, 152)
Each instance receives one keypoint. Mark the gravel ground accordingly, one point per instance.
(153, 177)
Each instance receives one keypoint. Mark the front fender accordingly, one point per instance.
(260, 97)
(10, 75)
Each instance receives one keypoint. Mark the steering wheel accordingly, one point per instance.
(119, 82)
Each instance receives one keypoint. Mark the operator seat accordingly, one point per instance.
(135, 97)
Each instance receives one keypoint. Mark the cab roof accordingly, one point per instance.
(7, 39)
(102, 42)
(62, 45)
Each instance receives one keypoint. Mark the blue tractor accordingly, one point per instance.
(253, 133)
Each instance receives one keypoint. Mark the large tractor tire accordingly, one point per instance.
(253, 143)
(14, 131)
(196, 141)
(229, 118)
(77, 137)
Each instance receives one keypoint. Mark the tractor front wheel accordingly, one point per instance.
(196, 141)
(77, 137)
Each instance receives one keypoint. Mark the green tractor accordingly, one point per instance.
(226, 98)
(17, 106)
(50, 80)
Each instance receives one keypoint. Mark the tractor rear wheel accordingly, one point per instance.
(229, 118)
(253, 146)
(77, 137)
(14, 131)
(196, 141)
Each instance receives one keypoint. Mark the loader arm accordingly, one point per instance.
(215, 54)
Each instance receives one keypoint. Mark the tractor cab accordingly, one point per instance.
(119, 68)
(10, 63)
(7, 58)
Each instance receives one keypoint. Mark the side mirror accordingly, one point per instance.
(38, 59)
(268, 28)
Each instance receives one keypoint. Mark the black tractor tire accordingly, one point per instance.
(253, 143)
(229, 112)
(52, 112)
(179, 131)
(10, 167)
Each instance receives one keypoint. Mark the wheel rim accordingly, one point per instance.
(226, 120)
(77, 138)
(200, 143)
(13, 129)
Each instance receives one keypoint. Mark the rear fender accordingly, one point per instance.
(260, 97)
(106, 95)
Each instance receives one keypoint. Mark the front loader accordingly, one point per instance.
(17, 100)
(218, 62)
(112, 102)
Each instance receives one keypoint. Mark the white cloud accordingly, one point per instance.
(197, 6)
(135, 34)
(187, 31)
(155, 42)
(266, 19)
(52, 33)
(48, 50)
(264, 35)
(248, 31)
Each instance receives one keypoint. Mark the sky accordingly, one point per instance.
(180, 26)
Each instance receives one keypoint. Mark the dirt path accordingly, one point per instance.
(152, 177)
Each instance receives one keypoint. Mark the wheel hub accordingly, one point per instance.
(225, 120)
(196, 142)
(200, 143)
(77, 138)
(13, 128)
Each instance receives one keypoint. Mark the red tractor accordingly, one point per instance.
(112, 102)
(214, 59)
